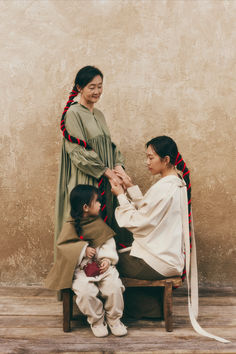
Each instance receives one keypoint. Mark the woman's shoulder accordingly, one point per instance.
(76, 112)
(76, 108)
(166, 184)
(98, 112)
(170, 180)
(79, 109)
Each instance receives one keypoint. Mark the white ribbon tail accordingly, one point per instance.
(192, 276)
(199, 329)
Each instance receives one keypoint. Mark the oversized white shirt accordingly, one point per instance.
(156, 222)
(160, 226)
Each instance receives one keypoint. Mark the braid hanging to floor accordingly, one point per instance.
(84, 144)
(181, 166)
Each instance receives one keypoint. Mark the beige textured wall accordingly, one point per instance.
(169, 69)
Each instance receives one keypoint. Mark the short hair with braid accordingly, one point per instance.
(166, 146)
(82, 79)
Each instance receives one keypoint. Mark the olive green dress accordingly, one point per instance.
(81, 166)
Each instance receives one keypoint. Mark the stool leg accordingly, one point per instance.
(59, 295)
(168, 306)
(71, 304)
(66, 296)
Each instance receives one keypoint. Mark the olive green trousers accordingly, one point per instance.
(145, 302)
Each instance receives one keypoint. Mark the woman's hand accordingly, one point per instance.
(126, 180)
(104, 265)
(116, 188)
(90, 252)
(111, 175)
(119, 168)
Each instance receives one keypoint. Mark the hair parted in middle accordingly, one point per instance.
(83, 78)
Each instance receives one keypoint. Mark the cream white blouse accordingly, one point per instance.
(160, 225)
(156, 222)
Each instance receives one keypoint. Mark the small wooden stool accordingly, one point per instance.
(168, 284)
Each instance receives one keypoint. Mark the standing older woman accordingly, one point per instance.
(88, 155)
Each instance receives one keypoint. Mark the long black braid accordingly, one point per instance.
(165, 146)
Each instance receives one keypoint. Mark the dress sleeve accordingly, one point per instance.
(85, 160)
(117, 156)
(142, 219)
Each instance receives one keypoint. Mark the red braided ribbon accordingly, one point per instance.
(177, 161)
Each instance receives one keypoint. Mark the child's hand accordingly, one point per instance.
(90, 252)
(104, 265)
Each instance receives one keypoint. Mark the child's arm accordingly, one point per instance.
(90, 252)
(107, 252)
(104, 265)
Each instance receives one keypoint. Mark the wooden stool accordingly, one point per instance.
(168, 284)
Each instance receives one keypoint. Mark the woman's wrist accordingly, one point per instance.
(109, 173)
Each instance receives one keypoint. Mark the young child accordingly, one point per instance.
(84, 238)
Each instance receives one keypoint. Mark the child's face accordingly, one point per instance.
(94, 208)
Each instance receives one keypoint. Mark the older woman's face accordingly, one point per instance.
(155, 164)
(93, 90)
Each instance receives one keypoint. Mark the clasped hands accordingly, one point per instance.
(119, 181)
(103, 265)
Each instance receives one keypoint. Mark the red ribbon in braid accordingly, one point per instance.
(72, 139)
(178, 160)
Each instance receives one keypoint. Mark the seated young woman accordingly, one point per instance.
(155, 220)
(161, 222)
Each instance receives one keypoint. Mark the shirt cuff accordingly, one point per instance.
(107, 259)
(100, 173)
(122, 199)
(134, 192)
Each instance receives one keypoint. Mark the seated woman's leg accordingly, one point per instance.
(140, 302)
(133, 267)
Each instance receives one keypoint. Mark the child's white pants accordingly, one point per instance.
(109, 287)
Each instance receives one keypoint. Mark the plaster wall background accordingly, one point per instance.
(169, 69)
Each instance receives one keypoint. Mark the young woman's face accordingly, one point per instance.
(155, 164)
(94, 208)
(92, 91)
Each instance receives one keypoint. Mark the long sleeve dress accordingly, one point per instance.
(81, 166)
